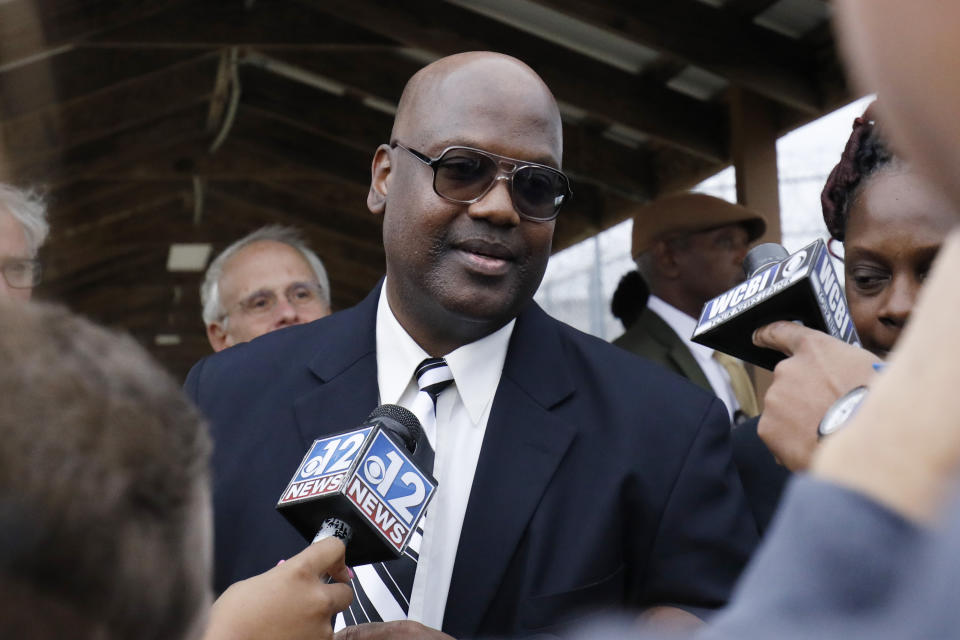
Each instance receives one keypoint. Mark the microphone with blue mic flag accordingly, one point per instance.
(368, 486)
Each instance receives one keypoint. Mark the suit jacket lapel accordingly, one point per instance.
(676, 350)
(344, 364)
(523, 445)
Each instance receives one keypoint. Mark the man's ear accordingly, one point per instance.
(380, 171)
(665, 258)
(217, 336)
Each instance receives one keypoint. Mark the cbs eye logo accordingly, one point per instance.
(794, 263)
(395, 479)
(332, 455)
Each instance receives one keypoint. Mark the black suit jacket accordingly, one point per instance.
(763, 478)
(602, 481)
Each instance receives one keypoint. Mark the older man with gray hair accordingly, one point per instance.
(265, 281)
(23, 229)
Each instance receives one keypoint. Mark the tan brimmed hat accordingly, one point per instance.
(690, 212)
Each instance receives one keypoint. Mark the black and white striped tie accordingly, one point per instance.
(382, 590)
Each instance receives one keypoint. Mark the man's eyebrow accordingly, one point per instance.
(303, 283)
(258, 292)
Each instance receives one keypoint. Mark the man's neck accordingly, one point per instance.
(682, 303)
(441, 333)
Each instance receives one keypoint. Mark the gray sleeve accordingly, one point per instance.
(831, 566)
(837, 566)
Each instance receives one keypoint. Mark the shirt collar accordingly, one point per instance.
(476, 367)
(683, 324)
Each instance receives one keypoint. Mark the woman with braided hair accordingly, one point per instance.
(891, 222)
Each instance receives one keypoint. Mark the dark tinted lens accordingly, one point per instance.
(539, 192)
(463, 175)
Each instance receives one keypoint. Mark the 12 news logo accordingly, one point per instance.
(376, 476)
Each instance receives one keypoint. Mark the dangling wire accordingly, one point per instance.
(234, 102)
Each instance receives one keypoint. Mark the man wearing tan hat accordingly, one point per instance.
(689, 248)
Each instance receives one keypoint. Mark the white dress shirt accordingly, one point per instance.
(463, 409)
(684, 325)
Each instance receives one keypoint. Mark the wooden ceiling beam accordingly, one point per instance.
(302, 147)
(99, 267)
(118, 107)
(220, 23)
(326, 241)
(29, 28)
(164, 219)
(748, 55)
(71, 209)
(78, 73)
(607, 92)
(189, 156)
(589, 158)
(359, 224)
(378, 73)
(122, 221)
(149, 296)
(315, 110)
(110, 156)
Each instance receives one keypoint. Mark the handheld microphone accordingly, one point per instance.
(366, 486)
(802, 287)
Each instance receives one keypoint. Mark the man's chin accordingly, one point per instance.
(479, 307)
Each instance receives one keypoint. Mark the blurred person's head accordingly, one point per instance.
(104, 498)
(23, 229)
(690, 247)
(265, 281)
(892, 221)
(908, 53)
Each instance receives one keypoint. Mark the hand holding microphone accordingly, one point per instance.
(358, 496)
(819, 369)
(292, 601)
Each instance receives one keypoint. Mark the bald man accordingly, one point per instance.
(573, 476)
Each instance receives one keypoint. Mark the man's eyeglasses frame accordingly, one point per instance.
(507, 170)
(9, 267)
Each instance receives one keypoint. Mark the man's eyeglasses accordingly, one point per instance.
(299, 295)
(22, 273)
(465, 175)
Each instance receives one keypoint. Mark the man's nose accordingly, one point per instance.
(496, 206)
(286, 312)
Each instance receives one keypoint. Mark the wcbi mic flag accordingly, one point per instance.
(803, 287)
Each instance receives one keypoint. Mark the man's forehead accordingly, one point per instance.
(263, 261)
(477, 98)
(13, 237)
